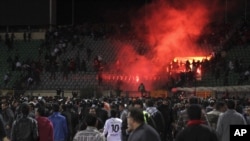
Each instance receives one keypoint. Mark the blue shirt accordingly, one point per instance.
(60, 126)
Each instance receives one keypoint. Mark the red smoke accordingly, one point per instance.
(166, 30)
(172, 30)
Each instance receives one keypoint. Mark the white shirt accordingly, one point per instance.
(18, 64)
(112, 127)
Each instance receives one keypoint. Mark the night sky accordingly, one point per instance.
(111, 11)
(36, 12)
(97, 10)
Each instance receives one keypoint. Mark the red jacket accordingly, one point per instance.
(45, 129)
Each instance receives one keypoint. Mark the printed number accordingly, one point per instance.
(115, 128)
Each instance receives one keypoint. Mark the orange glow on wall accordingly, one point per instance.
(191, 58)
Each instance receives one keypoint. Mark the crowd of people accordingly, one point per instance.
(52, 53)
(62, 39)
(120, 118)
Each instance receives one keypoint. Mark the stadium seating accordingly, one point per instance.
(107, 48)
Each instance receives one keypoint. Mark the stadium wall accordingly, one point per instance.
(19, 35)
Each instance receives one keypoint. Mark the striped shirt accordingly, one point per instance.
(90, 134)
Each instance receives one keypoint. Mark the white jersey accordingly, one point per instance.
(112, 127)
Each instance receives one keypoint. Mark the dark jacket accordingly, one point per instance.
(197, 133)
(158, 121)
(8, 118)
(24, 129)
(102, 114)
(144, 133)
(2, 130)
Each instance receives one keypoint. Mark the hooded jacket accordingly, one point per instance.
(24, 129)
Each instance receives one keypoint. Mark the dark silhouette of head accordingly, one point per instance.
(138, 103)
(193, 100)
(150, 103)
(194, 112)
(25, 108)
(219, 105)
(113, 113)
(136, 114)
(41, 111)
(90, 120)
(231, 104)
(56, 107)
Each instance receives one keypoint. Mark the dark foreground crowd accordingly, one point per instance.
(120, 119)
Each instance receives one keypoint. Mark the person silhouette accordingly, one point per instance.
(142, 89)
